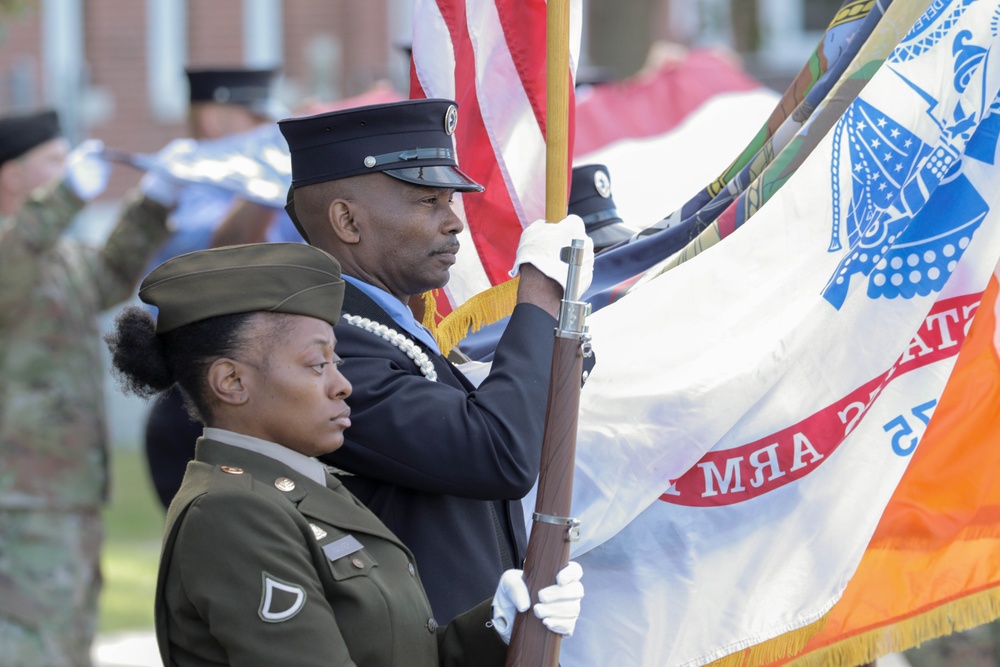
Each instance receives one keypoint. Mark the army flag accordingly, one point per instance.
(933, 565)
(736, 452)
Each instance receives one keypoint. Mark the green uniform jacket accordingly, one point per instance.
(262, 566)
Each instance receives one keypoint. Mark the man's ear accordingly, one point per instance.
(227, 382)
(342, 216)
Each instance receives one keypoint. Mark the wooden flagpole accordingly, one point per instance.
(557, 82)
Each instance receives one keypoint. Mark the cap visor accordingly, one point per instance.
(438, 176)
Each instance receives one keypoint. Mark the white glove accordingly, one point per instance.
(541, 243)
(558, 605)
(161, 188)
(158, 184)
(511, 597)
(87, 171)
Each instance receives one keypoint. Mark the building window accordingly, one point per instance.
(262, 28)
(166, 46)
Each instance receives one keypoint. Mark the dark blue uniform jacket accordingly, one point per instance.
(442, 463)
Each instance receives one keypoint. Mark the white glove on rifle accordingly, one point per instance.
(161, 188)
(541, 243)
(558, 606)
(87, 171)
(158, 184)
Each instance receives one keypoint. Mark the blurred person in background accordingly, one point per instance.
(223, 102)
(54, 450)
(590, 198)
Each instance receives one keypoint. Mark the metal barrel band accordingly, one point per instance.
(572, 524)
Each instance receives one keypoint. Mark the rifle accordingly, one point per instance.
(531, 643)
(552, 530)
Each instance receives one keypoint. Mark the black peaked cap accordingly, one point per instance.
(19, 133)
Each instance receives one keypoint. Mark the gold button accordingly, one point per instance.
(357, 562)
(284, 484)
(231, 470)
(432, 625)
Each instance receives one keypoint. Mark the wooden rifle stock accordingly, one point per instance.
(552, 530)
(531, 643)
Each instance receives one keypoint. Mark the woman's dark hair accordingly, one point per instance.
(145, 363)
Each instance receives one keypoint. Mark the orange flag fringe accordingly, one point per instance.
(933, 565)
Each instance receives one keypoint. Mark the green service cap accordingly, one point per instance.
(273, 277)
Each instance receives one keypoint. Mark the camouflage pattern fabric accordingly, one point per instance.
(53, 432)
(49, 582)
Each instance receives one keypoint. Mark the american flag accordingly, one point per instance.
(490, 58)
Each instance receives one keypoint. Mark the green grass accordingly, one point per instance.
(133, 525)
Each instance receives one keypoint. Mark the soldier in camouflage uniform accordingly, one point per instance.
(53, 437)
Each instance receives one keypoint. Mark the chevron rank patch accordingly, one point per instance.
(279, 600)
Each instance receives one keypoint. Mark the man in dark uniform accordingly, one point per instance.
(590, 198)
(444, 464)
(226, 101)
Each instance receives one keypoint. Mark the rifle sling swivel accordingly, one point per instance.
(572, 525)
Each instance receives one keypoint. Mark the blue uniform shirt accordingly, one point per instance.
(398, 310)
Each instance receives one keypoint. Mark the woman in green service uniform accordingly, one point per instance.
(267, 559)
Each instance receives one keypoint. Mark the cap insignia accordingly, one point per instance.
(451, 119)
(602, 183)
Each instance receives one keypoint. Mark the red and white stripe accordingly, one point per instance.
(489, 56)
